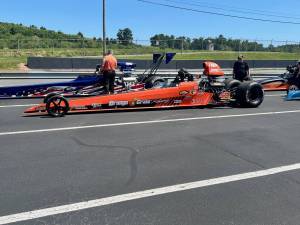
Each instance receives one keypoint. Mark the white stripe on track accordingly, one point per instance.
(145, 122)
(25, 216)
(276, 95)
(15, 106)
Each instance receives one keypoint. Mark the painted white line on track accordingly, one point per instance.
(145, 122)
(15, 106)
(25, 216)
(276, 95)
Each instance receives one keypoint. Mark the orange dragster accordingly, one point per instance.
(210, 89)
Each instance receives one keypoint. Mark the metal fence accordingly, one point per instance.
(93, 46)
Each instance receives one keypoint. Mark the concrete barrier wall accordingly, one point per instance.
(90, 63)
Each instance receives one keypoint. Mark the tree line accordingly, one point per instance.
(14, 36)
(219, 43)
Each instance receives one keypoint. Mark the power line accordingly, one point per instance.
(247, 9)
(219, 14)
(232, 9)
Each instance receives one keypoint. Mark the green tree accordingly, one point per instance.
(13, 31)
(125, 36)
(80, 34)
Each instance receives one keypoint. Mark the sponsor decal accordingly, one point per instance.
(183, 93)
(162, 101)
(177, 101)
(80, 108)
(193, 92)
(143, 102)
(118, 103)
(96, 106)
(225, 95)
(218, 84)
(197, 101)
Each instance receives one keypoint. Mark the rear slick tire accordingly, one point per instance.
(154, 82)
(231, 84)
(249, 95)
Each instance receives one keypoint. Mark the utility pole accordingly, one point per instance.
(104, 27)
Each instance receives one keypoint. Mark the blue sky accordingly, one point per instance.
(71, 16)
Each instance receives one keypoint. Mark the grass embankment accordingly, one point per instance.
(10, 59)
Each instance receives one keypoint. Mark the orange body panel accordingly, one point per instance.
(186, 94)
(162, 93)
(212, 69)
(275, 86)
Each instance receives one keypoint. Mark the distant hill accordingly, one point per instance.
(18, 36)
(19, 31)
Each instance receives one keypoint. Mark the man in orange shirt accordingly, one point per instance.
(108, 69)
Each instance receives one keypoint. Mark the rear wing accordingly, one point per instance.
(158, 59)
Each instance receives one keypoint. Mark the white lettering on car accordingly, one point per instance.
(143, 102)
(118, 103)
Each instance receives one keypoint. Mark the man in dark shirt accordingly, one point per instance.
(297, 69)
(241, 70)
(295, 80)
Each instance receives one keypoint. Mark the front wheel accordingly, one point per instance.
(48, 96)
(57, 106)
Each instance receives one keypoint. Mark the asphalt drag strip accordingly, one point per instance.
(192, 166)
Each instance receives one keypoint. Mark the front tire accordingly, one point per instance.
(57, 106)
(48, 96)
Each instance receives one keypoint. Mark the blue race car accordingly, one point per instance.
(293, 95)
(74, 87)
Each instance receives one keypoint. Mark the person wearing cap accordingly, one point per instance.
(108, 70)
(297, 69)
(241, 70)
(296, 74)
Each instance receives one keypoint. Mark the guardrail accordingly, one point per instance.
(90, 63)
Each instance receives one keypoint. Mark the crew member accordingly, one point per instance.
(241, 70)
(296, 75)
(297, 69)
(108, 69)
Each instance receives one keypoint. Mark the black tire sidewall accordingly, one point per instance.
(232, 83)
(244, 92)
(67, 108)
(149, 83)
(48, 96)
